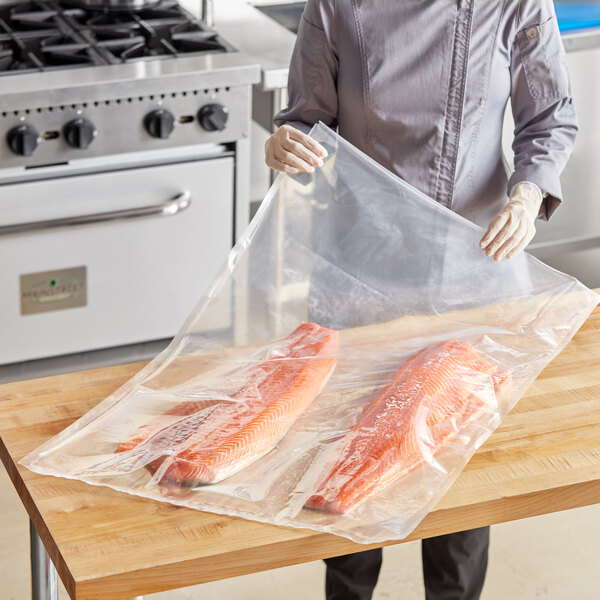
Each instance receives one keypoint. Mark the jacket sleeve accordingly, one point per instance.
(543, 110)
(312, 89)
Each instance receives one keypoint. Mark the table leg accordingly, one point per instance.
(43, 574)
(44, 585)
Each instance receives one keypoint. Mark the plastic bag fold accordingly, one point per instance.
(352, 354)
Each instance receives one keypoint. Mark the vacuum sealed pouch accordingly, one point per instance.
(352, 354)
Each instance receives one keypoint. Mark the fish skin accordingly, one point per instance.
(269, 396)
(434, 394)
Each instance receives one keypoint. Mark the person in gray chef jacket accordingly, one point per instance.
(421, 86)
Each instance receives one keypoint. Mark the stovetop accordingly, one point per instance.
(45, 35)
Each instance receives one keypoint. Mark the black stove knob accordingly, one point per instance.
(159, 123)
(79, 133)
(213, 117)
(23, 139)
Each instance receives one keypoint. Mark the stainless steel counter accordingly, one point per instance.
(258, 36)
(265, 41)
(575, 41)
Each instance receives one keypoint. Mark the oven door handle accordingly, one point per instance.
(169, 208)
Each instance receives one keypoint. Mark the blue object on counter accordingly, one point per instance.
(577, 16)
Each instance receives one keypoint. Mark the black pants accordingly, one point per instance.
(454, 568)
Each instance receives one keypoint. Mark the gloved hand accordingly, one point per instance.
(292, 151)
(513, 227)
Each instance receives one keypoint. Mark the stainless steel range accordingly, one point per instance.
(124, 168)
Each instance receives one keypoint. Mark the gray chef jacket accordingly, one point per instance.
(421, 86)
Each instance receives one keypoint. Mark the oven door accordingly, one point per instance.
(109, 259)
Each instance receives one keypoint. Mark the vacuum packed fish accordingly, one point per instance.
(433, 395)
(206, 441)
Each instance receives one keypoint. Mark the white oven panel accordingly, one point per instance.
(150, 240)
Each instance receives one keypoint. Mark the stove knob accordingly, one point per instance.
(79, 133)
(23, 139)
(159, 123)
(213, 117)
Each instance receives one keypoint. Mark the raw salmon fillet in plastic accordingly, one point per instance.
(431, 397)
(206, 441)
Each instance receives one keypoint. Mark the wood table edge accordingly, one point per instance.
(36, 518)
(311, 547)
(487, 513)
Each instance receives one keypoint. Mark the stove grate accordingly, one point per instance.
(41, 34)
(30, 16)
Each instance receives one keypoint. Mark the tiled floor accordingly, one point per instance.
(554, 557)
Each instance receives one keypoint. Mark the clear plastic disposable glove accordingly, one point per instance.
(292, 151)
(514, 226)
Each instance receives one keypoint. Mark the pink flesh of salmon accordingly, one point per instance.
(227, 436)
(430, 398)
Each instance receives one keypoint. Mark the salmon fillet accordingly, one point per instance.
(209, 440)
(435, 393)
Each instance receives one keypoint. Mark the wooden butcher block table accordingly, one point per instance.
(545, 457)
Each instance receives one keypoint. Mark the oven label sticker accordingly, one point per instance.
(53, 290)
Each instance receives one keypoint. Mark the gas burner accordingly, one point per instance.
(168, 38)
(123, 46)
(107, 24)
(114, 33)
(156, 32)
(6, 56)
(186, 37)
(44, 34)
(41, 50)
(163, 10)
(61, 49)
(30, 16)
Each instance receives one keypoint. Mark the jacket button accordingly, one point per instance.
(532, 33)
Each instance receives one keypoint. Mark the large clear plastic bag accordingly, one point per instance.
(429, 344)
